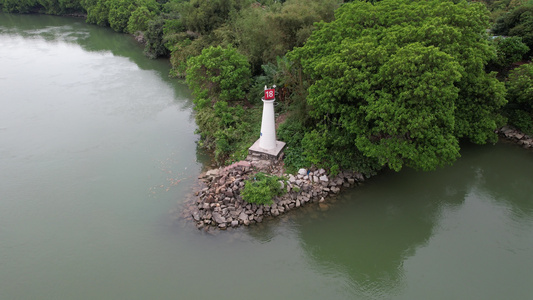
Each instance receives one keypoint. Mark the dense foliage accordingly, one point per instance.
(509, 50)
(401, 81)
(372, 84)
(520, 95)
(517, 22)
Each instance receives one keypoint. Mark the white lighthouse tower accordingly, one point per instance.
(267, 145)
(267, 139)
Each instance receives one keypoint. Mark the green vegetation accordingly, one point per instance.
(509, 50)
(219, 78)
(517, 22)
(262, 189)
(520, 95)
(362, 85)
(401, 82)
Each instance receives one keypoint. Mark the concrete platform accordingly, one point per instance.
(256, 150)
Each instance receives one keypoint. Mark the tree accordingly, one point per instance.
(154, 38)
(119, 13)
(518, 22)
(402, 80)
(218, 74)
(18, 6)
(139, 19)
(520, 96)
(97, 12)
(204, 16)
(509, 50)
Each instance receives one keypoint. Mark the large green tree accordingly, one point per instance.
(218, 74)
(401, 81)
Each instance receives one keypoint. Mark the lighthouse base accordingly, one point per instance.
(274, 153)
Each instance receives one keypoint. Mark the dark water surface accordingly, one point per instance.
(97, 147)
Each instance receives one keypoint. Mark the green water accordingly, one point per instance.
(97, 152)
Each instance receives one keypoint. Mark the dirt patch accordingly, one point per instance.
(281, 119)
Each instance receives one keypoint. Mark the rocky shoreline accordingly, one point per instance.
(516, 136)
(219, 205)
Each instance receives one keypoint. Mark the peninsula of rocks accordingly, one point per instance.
(218, 203)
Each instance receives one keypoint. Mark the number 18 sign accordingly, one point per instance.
(269, 94)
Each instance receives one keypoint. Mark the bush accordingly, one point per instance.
(262, 189)
(509, 50)
(520, 86)
(154, 38)
(521, 120)
(518, 22)
(520, 97)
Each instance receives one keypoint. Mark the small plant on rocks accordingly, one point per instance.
(261, 189)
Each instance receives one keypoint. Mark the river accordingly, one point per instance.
(98, 153)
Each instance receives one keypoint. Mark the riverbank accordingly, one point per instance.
(516, 136)
(218, 203)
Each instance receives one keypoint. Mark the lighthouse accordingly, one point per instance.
(267, 145)
(267, 139)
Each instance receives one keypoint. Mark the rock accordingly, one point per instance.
(243, 216)
(292, 179)
(222, 226)
(213, 172)
(298, 203)
(234, 223)
(324, 178)
(259, 212)
(302, 172)
(228, 192)
(246, 222)
(315, 178)
(196, 216)
(335, 189)
(274, 212)
(359, 177)
(217, 217)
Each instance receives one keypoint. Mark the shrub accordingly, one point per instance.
(262, 189)
(520, 85)
(509, 50)
(520, 96)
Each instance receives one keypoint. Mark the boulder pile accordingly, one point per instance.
(516, 136)
(218, 203)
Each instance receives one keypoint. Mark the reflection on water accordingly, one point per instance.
(378, 227)
(91, 38)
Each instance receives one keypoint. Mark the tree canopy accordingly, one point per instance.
(218, 74)
(402, 80)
